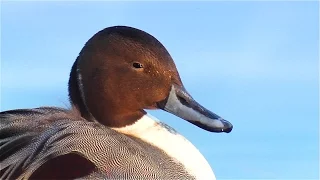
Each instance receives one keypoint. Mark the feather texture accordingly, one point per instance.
(33, 141)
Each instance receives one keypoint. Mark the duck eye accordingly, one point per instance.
(137, 65)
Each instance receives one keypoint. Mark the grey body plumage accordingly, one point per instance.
(36, 136)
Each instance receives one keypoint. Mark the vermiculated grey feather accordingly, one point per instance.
(29, 138)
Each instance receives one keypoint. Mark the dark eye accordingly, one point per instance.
(137, 65)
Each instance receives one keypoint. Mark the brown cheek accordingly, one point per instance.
(154, 106)
(156, 96)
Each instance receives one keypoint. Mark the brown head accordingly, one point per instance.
(121, 71)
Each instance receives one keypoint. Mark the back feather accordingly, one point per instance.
(54, 143)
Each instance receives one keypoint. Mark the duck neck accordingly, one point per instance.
(118, 120)
(76, 96)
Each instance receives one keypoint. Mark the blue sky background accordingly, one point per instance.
(253, 63)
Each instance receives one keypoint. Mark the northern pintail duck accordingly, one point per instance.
(107, 133)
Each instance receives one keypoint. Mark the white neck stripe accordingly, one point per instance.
(171, 142)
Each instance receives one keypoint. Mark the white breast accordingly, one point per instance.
(150, 130)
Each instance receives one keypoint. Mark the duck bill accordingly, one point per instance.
(181, 104)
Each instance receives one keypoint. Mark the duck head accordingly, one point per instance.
(121, 71)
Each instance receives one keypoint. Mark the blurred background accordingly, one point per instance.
(253, 63)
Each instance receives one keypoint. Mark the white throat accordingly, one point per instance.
(150, 130)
